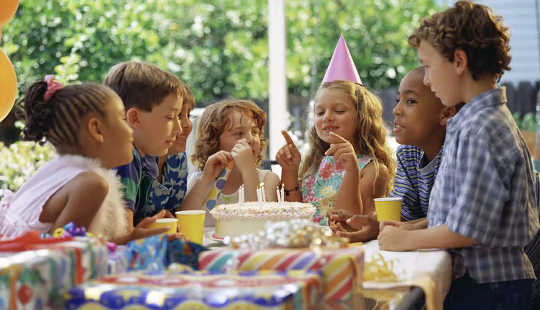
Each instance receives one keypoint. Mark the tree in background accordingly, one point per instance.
(217, 47)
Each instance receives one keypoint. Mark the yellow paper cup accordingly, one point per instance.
(388, 208)
(170, 223)
(192, 224)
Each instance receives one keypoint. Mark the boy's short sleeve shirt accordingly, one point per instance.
(130, 176)
(485, 190)
(168, 193)
(414, 180)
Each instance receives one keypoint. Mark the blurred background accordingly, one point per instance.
(220, 48)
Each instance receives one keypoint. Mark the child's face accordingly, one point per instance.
(335, 112)
(440, 74)
(240, 126)
(156, 131)
(181, 138)
(417, 113)
(118, 136)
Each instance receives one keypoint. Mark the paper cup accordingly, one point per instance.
(192, 224)
(170, 223)
(388, 208)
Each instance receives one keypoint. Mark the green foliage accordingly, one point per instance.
(217, 47)
(526, 122)
(20, 160)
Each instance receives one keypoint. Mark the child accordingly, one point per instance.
(153, 100)
(230, 132)
(349, 162)
(167, 191)
(482, 205)
(86, 125)
(420, 126)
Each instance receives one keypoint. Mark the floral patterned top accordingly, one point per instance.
(165, 194)
(321, 188)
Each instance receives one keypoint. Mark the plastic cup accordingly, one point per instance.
(170, 223)
(388, 208)
(192, 224)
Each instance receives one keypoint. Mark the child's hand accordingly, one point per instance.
(243, 157)
(343, 152)
(339, 215)
(359, 228)
(288, 156)
(143, 230)
(401, 225)
(392, 238)
(215, 164)
(383, 224)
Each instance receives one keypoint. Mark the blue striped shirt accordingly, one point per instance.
(485, 190)
(413, 181)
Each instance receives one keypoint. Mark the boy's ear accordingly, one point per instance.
(95, 129)
(133, 117)
(446, 114)
(460, 61)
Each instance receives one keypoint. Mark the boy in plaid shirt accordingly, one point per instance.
(482, 206)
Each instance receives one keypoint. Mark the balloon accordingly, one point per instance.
(7, 10)
(8, 85)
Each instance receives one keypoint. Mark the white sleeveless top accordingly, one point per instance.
(20, 212)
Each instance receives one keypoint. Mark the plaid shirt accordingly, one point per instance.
(485, 190)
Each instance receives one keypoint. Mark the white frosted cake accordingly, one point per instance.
(250, 217)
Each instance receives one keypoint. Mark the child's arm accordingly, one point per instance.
(358, 188)
(288, 157)
(244, 161)
(409, 225)
(78, 201)
(142, 229)
(271, 183)
(395, 239)
(197, 195)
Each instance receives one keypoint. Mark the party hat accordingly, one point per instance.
(341, 65)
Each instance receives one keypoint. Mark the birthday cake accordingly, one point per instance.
(250, 217)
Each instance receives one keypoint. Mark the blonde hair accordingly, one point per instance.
(213, 123)
(370, 132)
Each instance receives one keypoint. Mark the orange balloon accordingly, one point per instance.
(8, 85)
(7, 10)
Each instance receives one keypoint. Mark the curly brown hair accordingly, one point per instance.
(214, 122)
(370, 132)
(472, 28)
(143, 85)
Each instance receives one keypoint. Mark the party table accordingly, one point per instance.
(423, 279)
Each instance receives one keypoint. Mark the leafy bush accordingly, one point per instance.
(527, 122)
(20, 160)
(220, 48)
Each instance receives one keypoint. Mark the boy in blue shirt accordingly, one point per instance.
(153, 100)
(419, 126)
(482, 206)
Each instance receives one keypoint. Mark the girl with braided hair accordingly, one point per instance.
(86, 125)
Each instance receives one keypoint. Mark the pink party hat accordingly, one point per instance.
(341, 65)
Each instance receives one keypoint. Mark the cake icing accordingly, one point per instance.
(250, 217)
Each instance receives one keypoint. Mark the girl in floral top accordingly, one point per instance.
(348, 163)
